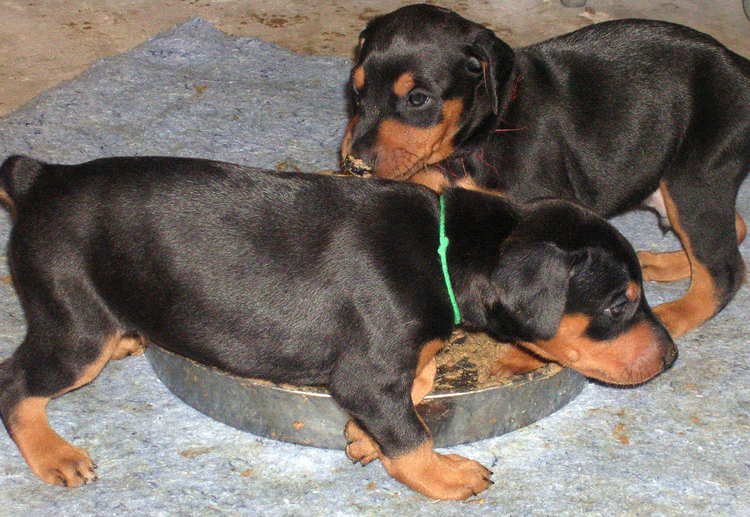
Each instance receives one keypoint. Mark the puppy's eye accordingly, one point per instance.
(417, 98)
(618, 306)
(474, 66)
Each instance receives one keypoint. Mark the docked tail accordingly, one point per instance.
(17, 174)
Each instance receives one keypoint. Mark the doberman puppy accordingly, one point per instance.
(616, 116)
(305, 279)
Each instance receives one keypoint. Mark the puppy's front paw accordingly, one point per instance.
(361, 448)
(439, 476)
(64, 465)
(461, 477)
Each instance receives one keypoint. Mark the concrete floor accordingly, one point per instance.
(44, 42)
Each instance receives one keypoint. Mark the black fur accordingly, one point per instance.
(603, 116)
(300, 278)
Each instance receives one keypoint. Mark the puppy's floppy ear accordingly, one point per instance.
(532, 281)
(496, 58)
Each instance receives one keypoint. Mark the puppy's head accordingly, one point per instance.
(568, 287)
(425, 80)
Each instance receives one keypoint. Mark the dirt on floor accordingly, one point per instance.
(44, 42)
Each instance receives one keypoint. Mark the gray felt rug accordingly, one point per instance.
(676, 446)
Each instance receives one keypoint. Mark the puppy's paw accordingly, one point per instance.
(127, 346)
(362, 452)
(439, 476)
(462, 477)
(453, 477)
(64, 465)
(360, 448)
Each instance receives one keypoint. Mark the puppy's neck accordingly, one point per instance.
(476, 225)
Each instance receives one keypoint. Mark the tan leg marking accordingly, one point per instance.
(129, 345)
(664, 267)
(426, 370)
(362, 448)
(49, 456)
(700, 302)
(739, 227)
(8, 203)
(436, 475)
(674, 265)
(91, 371)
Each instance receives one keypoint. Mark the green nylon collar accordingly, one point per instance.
(442, 249)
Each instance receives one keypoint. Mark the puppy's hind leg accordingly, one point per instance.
(716, 266)
(71, 335)
(672, 266)
(37, 372)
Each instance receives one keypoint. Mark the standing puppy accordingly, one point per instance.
(305, 279)
(615, 116)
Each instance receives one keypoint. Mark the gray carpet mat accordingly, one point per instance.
(676, 446)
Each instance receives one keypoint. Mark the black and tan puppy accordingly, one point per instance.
(305, 279)
(615, 116)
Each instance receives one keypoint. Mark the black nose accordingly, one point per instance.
(356, 166)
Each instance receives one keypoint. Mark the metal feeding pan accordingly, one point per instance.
(311, 417)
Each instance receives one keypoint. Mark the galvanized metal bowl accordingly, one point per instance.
(314, 418)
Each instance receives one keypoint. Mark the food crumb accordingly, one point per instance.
(194, 452)
(468, 360)
(619, 433)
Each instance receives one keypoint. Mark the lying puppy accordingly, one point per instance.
(615, 116)
(305, 279)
